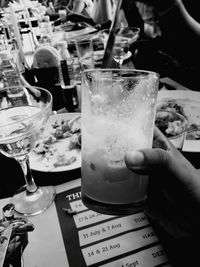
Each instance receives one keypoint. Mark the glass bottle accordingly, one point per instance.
(46, 30)
(67, 80)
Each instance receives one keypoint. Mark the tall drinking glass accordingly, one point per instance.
(84, 47)
(23, 114)
(118, 115)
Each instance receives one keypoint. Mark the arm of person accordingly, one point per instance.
(78, 6)
(75, 17)
(176, 20)
(74, 14)
(178, 27)
(174, 187)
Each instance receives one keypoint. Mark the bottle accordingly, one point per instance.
(34, 24)
(46, 30)
(67, 60)
(48, 26)
(27, 39)
(67, 82)
(51, 8)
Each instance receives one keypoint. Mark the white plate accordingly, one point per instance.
(67, 26)
(39, 163)
(73, 35)
(190, 102)
(60, 35)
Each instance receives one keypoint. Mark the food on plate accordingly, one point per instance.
(62, 160)
(188, 109)
(193, 135)
(60, 144)
(170, 123)
(171, 105)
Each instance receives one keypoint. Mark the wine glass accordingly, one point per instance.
(23, 113)
(124, 37)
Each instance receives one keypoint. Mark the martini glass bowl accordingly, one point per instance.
(124, 38)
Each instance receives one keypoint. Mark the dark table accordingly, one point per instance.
(12, 176)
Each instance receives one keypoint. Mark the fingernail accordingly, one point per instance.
(135, 158)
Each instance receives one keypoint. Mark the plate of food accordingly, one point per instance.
(186, 103)
(58, 146)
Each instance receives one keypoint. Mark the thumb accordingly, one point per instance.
(146, 159)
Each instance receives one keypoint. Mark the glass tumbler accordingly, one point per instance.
(84, 47)
(118, 115)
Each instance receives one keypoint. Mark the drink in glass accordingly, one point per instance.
(18, 133)
(120, 49)
(84, 47)
(20, 123)
(118, 114)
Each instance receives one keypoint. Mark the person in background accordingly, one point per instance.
(75, 11)
(132, 15)
(43, 2)
(179, 29)
(5, 3)
(103, 11)
(173, 201)
(83, 7)
(60, 4)
(97, 13)
(50, 9)
(178, 40)
(19, 236)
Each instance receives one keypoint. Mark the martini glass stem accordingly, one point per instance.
(120, 62)
(30, 183)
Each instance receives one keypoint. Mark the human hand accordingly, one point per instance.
(174, 186)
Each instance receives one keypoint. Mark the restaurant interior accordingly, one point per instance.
(52, 50)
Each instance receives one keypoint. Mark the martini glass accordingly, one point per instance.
(22, 117)
(124, 37)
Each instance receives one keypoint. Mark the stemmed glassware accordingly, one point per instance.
(23, 112)
(125, 36)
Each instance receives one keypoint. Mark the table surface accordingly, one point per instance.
(43, 242)
(47, 233)
(12, 177)
(47, 243)
(47, 237)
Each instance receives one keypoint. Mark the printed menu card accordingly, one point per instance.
(94, 239)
